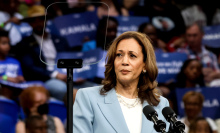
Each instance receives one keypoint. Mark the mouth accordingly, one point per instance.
(123, 71)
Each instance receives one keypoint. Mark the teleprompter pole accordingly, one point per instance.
(69, 64)
(69, 100)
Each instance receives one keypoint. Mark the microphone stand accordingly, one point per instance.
(69, 64)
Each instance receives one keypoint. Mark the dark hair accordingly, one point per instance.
(181, 77)
(104, 20)
(142, 26)
(193, 125)
(3, 33)
(102, 25)
(147, 81)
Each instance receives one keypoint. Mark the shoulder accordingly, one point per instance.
(163, 102)
(57, 120)
(20, 127)
(90, 90)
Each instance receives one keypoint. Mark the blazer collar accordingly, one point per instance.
(111, 110)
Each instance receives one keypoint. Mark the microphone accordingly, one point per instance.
(171, 117)
(152, 115)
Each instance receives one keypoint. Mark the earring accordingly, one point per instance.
(144, 71)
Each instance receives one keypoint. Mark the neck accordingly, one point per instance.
(196, 49)
(127, 91)
(190, 84)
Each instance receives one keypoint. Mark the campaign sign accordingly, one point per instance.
(75, 27)
(22, 85)
(211, 37)
(130, 23)
(90, 60)
(169, 65)
(211, 101)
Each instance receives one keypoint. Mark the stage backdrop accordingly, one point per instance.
(210, 106)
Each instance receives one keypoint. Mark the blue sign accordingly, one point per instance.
(24, 29)
(169, 65)
(211, 37)
(211, 105)
(22, 85)
(75, 27)
(90, 61)
(130, 23)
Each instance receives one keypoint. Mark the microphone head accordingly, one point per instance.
(168, 113)
(149, 111)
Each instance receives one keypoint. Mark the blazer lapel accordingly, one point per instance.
(111, 110)
(147, 126)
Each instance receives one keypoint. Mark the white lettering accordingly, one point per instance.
(78, 29)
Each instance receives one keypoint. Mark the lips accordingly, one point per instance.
(124, 71)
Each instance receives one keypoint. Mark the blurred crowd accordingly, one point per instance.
(174, 26)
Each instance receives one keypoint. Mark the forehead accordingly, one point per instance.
(194, 63)
(193, 98)
(129, 45)
(193, 29)
(4, 38)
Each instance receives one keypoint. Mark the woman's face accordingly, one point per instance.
(202, 126)
(193, 70)
(192, 107)
(128, 62)
(40, 98)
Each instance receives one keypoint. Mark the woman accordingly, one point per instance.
(193, 104)
(33, 101)
(129, 85)
(190, 75)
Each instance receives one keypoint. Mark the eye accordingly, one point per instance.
(118, 54)
(133, 56)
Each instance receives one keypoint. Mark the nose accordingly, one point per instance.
(125, 60)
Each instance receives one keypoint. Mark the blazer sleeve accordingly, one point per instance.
(82, 113)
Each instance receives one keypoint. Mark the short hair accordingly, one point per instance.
(193, 125)
(193, 93)
(147, 81)
(27, 97)
(198, 25)
(3, 33)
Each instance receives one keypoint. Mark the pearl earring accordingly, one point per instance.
(144, 71)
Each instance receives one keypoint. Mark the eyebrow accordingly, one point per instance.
(129, 51)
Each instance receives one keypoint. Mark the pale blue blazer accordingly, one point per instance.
(95, 113)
